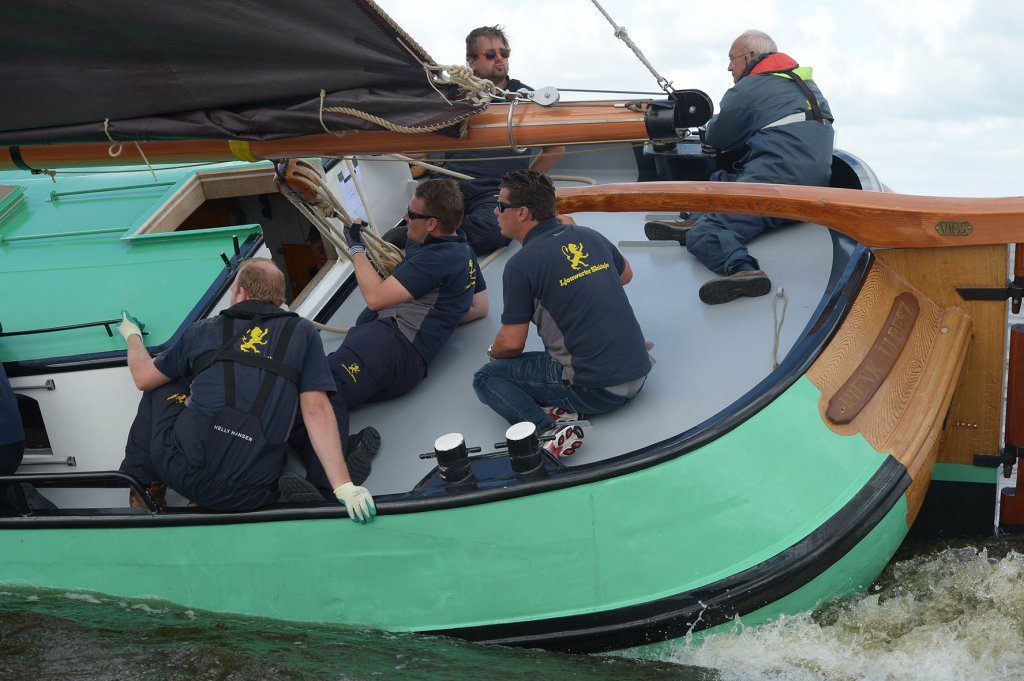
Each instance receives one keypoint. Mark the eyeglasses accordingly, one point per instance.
(502, 206)
(492, 54)
(741, 54)
(419, 216)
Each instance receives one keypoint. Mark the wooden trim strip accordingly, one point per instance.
(875, 219)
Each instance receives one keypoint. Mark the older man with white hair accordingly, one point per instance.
(776, 122)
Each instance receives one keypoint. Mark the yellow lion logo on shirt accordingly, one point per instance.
(253, 337)
(575, 255)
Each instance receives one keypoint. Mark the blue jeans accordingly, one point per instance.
(515, 388)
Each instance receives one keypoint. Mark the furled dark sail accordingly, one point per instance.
(216, 69)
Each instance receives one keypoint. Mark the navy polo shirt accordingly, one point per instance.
(565, 279)
(442, 275)
(487, 174)
(10, 418)
(305, 354)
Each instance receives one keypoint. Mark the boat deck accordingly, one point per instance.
(707, 356)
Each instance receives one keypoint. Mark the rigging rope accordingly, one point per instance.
(116, 148)
(324, 210)
(621, 34)
(777, 321)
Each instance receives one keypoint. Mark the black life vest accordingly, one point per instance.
(231, 465)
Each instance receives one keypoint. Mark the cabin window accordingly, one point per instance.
(246, 196)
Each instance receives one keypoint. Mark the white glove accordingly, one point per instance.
(129, 326)
(358, 502)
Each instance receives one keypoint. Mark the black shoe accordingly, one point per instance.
(668, 230)
(297, 490)
(359, 453)
(724, 289)
(398, 236)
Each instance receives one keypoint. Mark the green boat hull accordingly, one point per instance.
(769, 518)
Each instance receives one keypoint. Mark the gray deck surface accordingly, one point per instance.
(707, 356)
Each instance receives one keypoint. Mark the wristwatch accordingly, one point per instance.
(489, 355)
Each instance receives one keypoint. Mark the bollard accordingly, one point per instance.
(452, 458)
(524, 451)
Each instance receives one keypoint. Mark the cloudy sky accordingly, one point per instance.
(928, 92)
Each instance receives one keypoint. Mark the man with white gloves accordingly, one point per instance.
(219, 403)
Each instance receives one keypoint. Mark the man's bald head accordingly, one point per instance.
(757, 42)
(262, 280)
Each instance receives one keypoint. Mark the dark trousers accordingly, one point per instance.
(10, 458)
(481, 224)
(152, 432)
(374, 363)
(719, 240)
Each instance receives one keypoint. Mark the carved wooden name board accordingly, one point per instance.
(858, 390)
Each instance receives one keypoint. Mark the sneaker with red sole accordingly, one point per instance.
(560, 414)
(565, 440)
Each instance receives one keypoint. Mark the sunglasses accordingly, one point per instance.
(492, 54)
(419, 216)
(502, 206)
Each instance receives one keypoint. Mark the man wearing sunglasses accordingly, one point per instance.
(776, 122)
(568, 280)
(487, 53)
(408, 317)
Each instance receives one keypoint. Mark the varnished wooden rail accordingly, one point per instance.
(874, 219)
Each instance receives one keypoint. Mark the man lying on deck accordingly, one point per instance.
(569, 281)
(223, 445)
(776, 119)
(409, 316)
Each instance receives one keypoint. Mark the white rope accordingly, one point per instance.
(326, 210)
(621, 34)
(358, 184)
(331, 329)
(572, 178)
(777, 321)
(431, 167)
(478, 90)
(116, 147)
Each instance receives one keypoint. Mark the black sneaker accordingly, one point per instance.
(359, 453)
(668, 230)
(297, 490)
(724, 289)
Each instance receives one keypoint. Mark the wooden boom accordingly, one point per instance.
(874, 219)
(532, 126)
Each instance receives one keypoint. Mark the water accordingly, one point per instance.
(939, 611)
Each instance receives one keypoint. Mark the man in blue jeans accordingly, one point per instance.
(568, 280)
